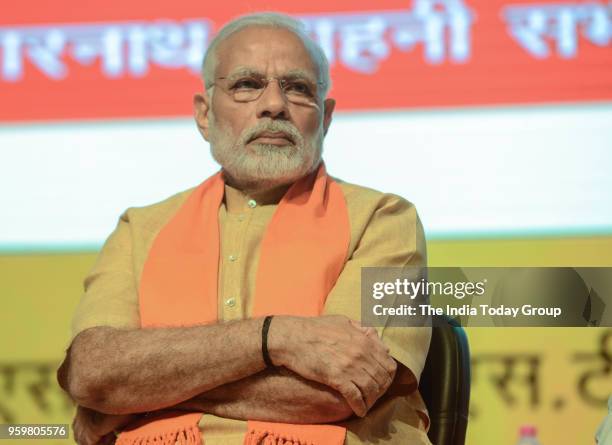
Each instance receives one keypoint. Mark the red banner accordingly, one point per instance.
(74, 60)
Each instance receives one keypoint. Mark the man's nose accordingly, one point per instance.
(272, 102)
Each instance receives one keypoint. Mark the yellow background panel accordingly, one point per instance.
(571, 380)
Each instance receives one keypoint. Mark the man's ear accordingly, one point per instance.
(201, 106)
(328, 109)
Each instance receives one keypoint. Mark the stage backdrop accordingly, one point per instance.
(492, 116)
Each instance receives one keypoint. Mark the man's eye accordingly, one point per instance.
(246, 84)
(299, 88)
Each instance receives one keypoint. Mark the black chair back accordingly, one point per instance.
(445, 383)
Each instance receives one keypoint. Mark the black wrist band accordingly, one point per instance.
(264, 341)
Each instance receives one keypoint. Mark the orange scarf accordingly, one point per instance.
(302, 254)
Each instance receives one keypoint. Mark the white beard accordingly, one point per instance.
(263, 166)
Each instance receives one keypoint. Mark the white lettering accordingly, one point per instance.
(533, 26)
(122, 48)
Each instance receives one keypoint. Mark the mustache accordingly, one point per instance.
(286, 128)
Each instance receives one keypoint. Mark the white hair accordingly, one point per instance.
(269, 19)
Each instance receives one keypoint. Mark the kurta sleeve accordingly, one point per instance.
(392, 236)
(110, 297)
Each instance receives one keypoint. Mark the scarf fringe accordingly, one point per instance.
(258, 437)
(184, 436)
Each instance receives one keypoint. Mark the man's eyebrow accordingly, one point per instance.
(300, 74)
(244, 71)
(291, 74)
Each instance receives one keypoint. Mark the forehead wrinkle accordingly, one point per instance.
(241, 45)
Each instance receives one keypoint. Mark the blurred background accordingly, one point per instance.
(493, 116)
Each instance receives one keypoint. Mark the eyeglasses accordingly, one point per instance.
(248, 88)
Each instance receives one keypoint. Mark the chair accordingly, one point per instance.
(445, 383)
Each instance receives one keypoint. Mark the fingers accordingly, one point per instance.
(369, 331)
(381, 377)
(385, 360)
(84, 433)
(378, 370)
(342, 354)
(348, 376)
(353, 396)
(364, 371)
(373, 383)
(356, 324)
(381, 352)
(369, 387)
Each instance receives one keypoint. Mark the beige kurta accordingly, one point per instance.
(385, 231)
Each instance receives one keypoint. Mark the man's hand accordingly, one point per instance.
(105, 367)
(94, 428)
(337, 352)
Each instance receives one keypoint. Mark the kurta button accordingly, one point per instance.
(231, 302)
(252, 203)
(232, 258)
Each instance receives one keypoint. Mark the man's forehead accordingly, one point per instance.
(264, 49)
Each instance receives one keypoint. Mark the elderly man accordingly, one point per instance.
(229, 313)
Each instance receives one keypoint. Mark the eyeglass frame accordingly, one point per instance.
(280, 79)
